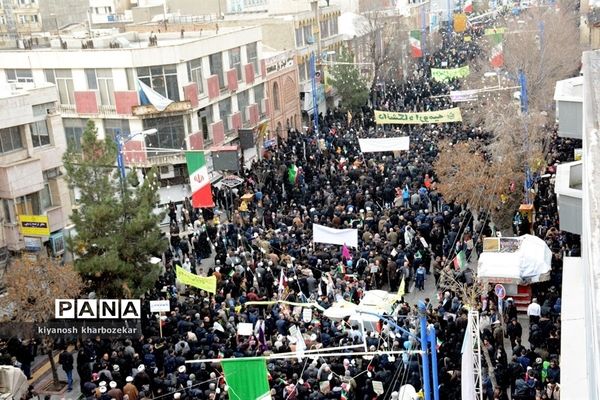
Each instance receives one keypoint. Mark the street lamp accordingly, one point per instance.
(121, 140)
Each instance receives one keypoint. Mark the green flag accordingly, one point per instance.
(292, 172)
(247, 379)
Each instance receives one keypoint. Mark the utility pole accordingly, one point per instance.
(313, 63)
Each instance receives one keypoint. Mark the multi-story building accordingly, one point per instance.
(578, 192)
(19, 18)
(32, 142)
(282, 86)
(107, 11)
(216, 82)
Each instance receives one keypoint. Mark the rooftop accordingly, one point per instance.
(569, 89)
(110, 39)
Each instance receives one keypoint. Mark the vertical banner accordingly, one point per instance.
(199, 179)
(497, 52)
(415, 44)
(247, 379)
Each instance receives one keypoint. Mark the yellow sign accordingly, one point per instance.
(201, 282)
(34, 225)
(430, 117)
(460, 23)
(441, 75)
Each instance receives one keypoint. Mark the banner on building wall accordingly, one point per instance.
(384, 144)
(34, 225)
(430, 117)
(442, 74)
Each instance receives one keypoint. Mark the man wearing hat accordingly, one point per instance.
(115, 392)
(498, 333)
(129, 389)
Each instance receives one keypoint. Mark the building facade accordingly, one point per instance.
(19, 18)
(216, 82)
(282, 85)
(32, 143)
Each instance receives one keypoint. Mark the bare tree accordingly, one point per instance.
(31, 288)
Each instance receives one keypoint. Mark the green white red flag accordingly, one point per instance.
(468, 8)
(415, 44)
(497, 55)
(199, 179)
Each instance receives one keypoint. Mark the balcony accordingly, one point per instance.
(177, 107)
(569, 178)
(178, 157)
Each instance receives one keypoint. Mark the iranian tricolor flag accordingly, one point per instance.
(468, 8)
(497, 55)
(199, 180)
(415, 44)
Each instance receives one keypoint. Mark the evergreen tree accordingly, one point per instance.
(348, 82)
(117, 228)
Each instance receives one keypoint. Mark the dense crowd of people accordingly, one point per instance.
(262, 250)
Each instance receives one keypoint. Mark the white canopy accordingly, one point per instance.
(13, 382)
(374, 302)
(530, 263)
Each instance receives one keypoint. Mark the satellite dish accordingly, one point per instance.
(407, 392)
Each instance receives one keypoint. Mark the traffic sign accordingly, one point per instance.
(500, 291)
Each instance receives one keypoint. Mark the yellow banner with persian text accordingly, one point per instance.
(208, 283)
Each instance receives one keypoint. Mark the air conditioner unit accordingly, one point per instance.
(167, 171)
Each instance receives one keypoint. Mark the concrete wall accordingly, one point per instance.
(66, 11)
(195, 7)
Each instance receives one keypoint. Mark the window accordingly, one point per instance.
(243, 100)
(114, 126)
(235, 61)
(224, 112)
(161, 78)
(307, 31)
(195, 73)
(92, 82)
(19, 76)
(46, 194)
(276, 105)
(259, 95)
(205, 119)
(73, 131)
(10, 139)
(22, 19)
(63, 80)
(216, 67)
(8, 207)
(299, 37)
(324, 29)
(106, 86)
(170, 133)
(29, 204)
(2, 20)
(334, 26)
(39, 133)
(302, 71)
(252, 54)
